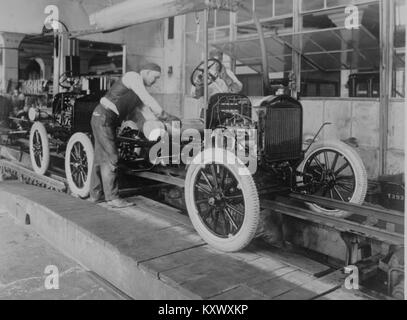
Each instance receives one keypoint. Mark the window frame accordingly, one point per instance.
(326, 7)
(394, 51)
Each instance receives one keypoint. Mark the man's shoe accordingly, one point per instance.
(119, 204)
(96, 201)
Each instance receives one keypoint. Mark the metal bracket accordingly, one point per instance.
(352, 248)
(316, 136)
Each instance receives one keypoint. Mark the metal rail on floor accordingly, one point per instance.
(27, 176)
(339, 224)
(389, 216)
(389, 235)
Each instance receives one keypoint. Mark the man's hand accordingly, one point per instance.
(198, 92)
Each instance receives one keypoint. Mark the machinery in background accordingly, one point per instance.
(364, 85)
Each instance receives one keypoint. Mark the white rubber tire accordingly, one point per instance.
(84, 140)
(358, 168)
(39, 129)
(251, 199)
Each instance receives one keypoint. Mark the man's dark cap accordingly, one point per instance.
(151, 66)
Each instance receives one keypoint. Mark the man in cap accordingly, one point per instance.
(126, 95)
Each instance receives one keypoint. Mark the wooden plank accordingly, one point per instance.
(280, 285)
(316, 287)
(160, 243)
(241, 293)
(141, 235)
(99, 253)
(175, 260)
(307, 291)
(248, 254)
(213, 276)
(148, 216)
(293, 259)
(139, 238)
(343, 294)
(272, 275)
(161, 209)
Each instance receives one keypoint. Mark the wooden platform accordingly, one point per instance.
(151, 251)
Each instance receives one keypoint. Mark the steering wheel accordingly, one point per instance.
(214, 69)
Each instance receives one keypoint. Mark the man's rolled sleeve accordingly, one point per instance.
(237, 85)
(134, 81)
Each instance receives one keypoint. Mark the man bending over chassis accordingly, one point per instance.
(126, 95)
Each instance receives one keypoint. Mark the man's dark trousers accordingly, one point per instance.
(104, 178)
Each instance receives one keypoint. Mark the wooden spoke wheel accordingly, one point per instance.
(79, 159)
(334, 170)
(39, 148)
(222, 201)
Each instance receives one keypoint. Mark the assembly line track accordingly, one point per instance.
(389, 235)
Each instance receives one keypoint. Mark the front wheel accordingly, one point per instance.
(79, 159)
(222, 200)
(334, 170)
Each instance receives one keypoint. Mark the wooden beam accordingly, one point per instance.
(386, 43)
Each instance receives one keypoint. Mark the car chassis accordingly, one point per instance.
(222, 198)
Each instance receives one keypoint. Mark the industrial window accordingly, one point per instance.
(320, 84)
(331, 53)
(219, 31)
(399, 50)
(265, 9)
(338, 3)
(283, 7)
(218, 24)
(316, 5)
(276, 18)
(309, 5)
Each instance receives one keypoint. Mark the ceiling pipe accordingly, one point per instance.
(263, 49)
(264, 57)
(133, 12)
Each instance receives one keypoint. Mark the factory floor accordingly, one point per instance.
(31, 269)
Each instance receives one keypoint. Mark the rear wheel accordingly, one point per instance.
(334, 170)
(39, 148)
(222, 200)
(79, 159)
